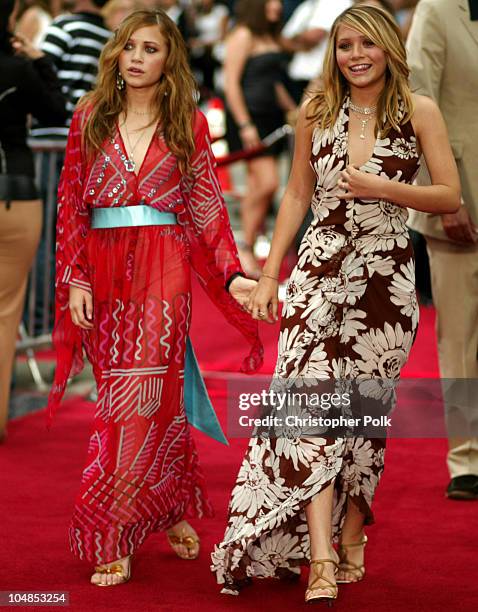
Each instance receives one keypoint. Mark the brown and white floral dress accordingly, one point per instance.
(350, 313)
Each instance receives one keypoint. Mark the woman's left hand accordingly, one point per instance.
(240, 289)
(358, 184)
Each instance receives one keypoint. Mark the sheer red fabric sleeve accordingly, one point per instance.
(214, 255)
(73, 222)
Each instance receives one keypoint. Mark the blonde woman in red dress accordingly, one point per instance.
(139, 205)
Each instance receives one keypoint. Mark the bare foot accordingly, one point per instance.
(113, 573)
(184, 540)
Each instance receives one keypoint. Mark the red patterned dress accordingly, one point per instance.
(141, 472)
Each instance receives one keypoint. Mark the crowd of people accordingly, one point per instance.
(121, 81)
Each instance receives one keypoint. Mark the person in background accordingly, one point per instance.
(211, 21)
(182, 15)
(442, 52)
(114, 11)
(74, 43)
(28, 85)
(305, 36)
(257, 100)
(34, 17)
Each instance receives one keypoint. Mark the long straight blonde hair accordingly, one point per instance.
(174, 97)
(380, 27)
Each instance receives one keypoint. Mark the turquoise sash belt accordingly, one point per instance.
(130, 216)
(197, 404)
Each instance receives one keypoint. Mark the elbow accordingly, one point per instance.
(454, 202)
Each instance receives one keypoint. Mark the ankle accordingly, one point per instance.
(355, 537)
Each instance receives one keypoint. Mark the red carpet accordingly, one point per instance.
(421, 553)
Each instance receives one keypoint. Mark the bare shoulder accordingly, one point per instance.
(425, 113)
(240, 36)
(303, 120)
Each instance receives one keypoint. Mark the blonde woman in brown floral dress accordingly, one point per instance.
(351, 310)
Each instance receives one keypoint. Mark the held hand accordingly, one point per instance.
(358, 184)
(459, 227)
(241, 288)
(81, 307)
(250, 137)
(24, 47)
(263, 302)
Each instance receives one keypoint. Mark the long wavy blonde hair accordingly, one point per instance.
(380, 27)
(174, 97)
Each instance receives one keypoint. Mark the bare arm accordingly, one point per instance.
(293, 208)
(304, 41)
(284, 99)
(442, 196)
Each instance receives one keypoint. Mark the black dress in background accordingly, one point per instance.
(261, 73)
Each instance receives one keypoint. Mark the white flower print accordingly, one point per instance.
(382, 265)
(360, 467)
(322, 138)
(274, 551)
(319, 309)
(327, 192)
(350, 283)
(403, 292)
(300, 285)
(405, 149)
(351, 325)
(289, 349)
(384, 351)
(297, 449)
(370, 243)
(319, 245)
(255, 488)
(344, 368)
(381, 217)
(317, 366)
(340, 145)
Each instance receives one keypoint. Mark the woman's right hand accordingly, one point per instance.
(81, 307)
(263, 301)
(250, 136)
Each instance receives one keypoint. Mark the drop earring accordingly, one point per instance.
(119, 82)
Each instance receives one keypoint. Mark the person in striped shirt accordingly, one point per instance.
(74, 43)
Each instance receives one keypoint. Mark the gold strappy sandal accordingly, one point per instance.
(347, 566)
(117, 569)
(329, 590)
(189, 540)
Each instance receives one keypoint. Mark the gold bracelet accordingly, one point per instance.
(269, 276)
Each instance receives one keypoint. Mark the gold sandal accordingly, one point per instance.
(330, 588)
(117, 569)
(190, 541)
(347, 566)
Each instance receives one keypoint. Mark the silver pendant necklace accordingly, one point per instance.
(368, 111)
